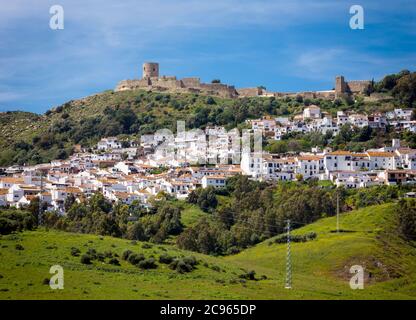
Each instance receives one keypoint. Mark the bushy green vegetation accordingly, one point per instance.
(254, 211)
(218, 221)
(99, 216)
(401, 85)
(320, 267)
(12, 220)
(406, 213)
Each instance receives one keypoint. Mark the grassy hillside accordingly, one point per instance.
(320, 267)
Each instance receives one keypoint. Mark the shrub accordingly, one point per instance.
(148, 264)
(250, 275)
(86, 259)
(232, 250)
(114, 261)
(100, 256)
(210, 100)
(92, 253)
(19, 247)
(135, 258)
(183, 265)
(165, 258)
(297, 238)
(126, 254)
(146, 246)
(216, 268)
(75, 252)
(191, 260)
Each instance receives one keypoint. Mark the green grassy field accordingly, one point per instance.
(320, 267)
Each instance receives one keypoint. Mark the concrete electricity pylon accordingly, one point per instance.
(288, 259)
(338, 212)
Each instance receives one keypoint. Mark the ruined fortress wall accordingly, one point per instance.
(354, 86)
(167, 83)
(191, 82)
(358, 86)
(249, 92)
(132, 84)
(219, 89)
(325, 94)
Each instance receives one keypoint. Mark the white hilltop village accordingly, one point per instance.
(126, 171)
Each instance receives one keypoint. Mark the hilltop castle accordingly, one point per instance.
(151, 80)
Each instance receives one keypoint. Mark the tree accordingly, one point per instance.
(405, 89)
(407, 218)
(277, 147)
(135, 231)
(35, 208)
(69, 201)
(299, 177)
(207, 199)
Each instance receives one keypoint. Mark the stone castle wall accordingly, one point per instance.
(191, 82)
(250, 92)
(351, 87)
(152, 81)
(358, 86)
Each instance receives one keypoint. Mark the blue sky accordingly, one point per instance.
(284, 45)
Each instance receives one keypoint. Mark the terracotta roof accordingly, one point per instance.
(340, 153)
(72, 190)
(12, 180)
(406, 150)
(380, 154)
(311, 158)
(358, 155)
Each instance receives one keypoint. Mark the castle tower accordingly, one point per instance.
(340, 85)
(150, 70)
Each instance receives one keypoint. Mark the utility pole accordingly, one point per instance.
(288, 259)
(337, 211)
